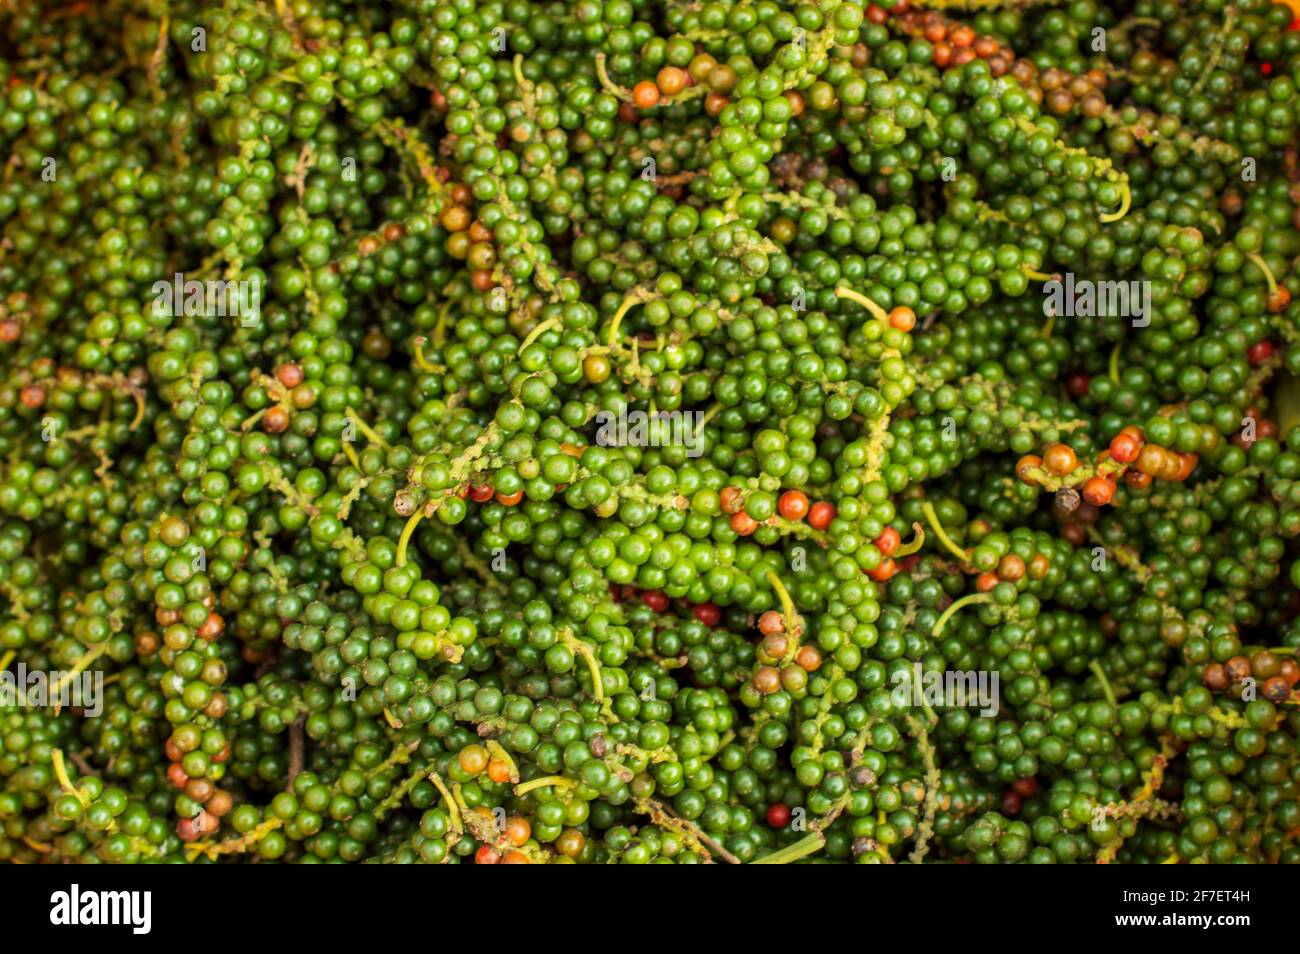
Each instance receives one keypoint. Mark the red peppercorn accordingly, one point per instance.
(1125, 448)
(1025, 787)
(743, 524)
(821, 514)
(708, 613)
(1078, 383)
(793, 505)
(884, 572)
(1260, 351)
(1098, 491)
(655, 599)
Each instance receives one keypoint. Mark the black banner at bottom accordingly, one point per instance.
(134, 906)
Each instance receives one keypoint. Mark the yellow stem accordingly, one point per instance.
(593, 667)
(364, 428)
(1263, 267)
(252, 419)
(405, 538)
(456, 824)
(802, 848)
(610, 86)
(61, 773)
(139, 405)
(497, 751)
(918, 541)
(1113, 364)
(863, 300)
(709, 415)
(546, 781)
(787, 604)
(541, 329)
(634, 298)
(81, 665)
(927, 508)
(948, 614)
(1035, 274)
(7, 658)
(352, 455)
(421, 361)
(1125, 201)
(1106, 690)
(440, 329)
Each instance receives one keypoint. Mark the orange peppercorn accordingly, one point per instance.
(902, 318)
(793, 505)
(821, 514)
(888, 541)
(1059, 459)
(645, 94)
(671, 80)
(1098, 491)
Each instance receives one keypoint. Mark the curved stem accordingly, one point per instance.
(365, 428)
(352, 456)
(497, 751)
(61, 773)
(405, 538)
(541, 329)
(440, 329)
(252, 419)
(787, 604)
(81, 665)
(139, 410)
(1106, 690)
(863, 300)
(1125, 203)
(452, 809)
(557, 781)
(610, 86)
(1113, 364)
(918, 541)
(808, 845)
(421, 361)
(951, 611)
(1036, 275)
(927, 508)
(593, 667)
(633, 298)
(1263, 267)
